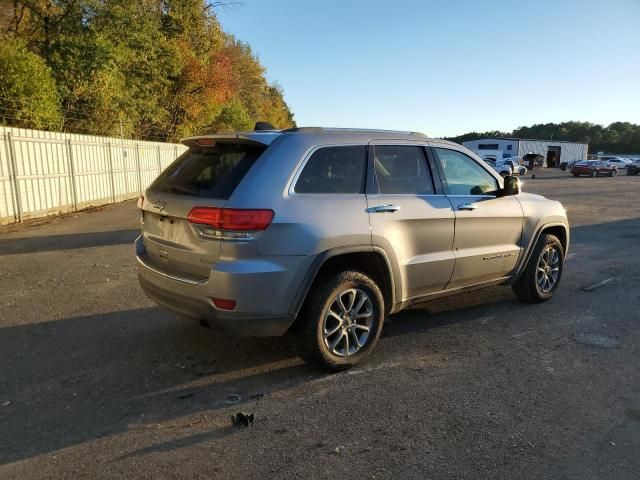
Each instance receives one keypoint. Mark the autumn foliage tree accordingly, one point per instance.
(153, 69)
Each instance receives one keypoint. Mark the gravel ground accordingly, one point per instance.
(97, 382)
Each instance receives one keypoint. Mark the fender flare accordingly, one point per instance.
(321, 259)
(527, 255)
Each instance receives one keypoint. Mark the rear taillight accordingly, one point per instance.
(232, 223)
(205, 142)
(224, 303)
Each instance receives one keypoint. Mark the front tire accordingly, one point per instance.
(340, 322)
(543, 272)
(594, 174)
(613, 173)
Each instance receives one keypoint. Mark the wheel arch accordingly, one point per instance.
(372, 261)
(560, 230)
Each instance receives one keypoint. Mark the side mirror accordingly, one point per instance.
(511, 185)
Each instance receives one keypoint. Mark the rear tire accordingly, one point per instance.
(613, 173)
(322, 314)
(546, 263)
(576, 175)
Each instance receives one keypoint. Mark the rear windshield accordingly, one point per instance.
(211, 172)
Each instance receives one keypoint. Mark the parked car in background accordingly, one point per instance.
(618, 162)
(634, 167)
(502, 169)
(325, 232)
(567, 165)
(516, 167)
(593, 168)
(508, 166)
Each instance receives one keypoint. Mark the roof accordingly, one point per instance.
(266, 137)
(513, 139)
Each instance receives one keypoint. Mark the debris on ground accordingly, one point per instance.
(596, 340)
(232, 399)
(595, 286)
(257, 396)
(7, 403)
(242, 419)
(184, 396)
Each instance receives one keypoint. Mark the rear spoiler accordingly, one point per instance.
(251, 138)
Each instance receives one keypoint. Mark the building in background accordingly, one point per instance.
(544, 153)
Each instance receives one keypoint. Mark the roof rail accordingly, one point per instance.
(347, 130)
(303, 130)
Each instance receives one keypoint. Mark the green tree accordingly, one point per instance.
(619, 137)
(157, 69)
(28, 94)
(232, 117)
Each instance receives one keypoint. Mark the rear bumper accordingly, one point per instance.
(264, 291)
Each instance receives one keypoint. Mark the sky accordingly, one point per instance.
(447, 67)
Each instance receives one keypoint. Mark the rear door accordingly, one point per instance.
(488, 228)
(410, 217)
(205, 175)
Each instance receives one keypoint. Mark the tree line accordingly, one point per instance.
(618, 137)
(147, 69)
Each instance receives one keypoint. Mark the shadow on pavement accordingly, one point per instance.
(19, 245)
(83, 378)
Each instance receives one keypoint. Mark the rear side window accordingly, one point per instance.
(334, 170)
(210, 172)
(402, 169)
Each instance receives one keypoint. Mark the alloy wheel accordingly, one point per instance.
(347, 322)
(548, 269)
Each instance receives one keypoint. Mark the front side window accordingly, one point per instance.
(463, 175)
(334, 170)
(402, 169)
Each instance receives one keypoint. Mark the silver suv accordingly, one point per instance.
(323, 232)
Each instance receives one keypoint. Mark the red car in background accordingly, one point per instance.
(593, 168)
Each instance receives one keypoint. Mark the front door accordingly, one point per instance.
(411, 219)
(488, 227)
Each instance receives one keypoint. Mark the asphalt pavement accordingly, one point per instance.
(98, 382)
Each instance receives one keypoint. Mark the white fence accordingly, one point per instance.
(44, 173)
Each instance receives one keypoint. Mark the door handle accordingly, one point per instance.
(467, 206)
(384, 209)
